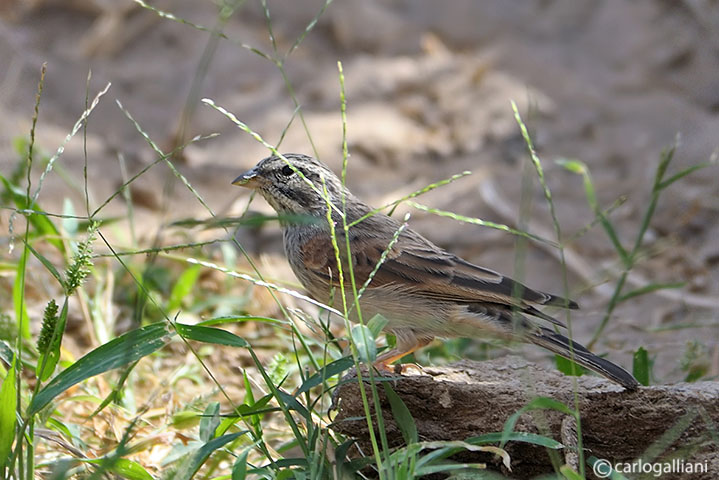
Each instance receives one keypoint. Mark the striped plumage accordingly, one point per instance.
(423, 290)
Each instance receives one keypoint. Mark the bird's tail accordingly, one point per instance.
(560, 345)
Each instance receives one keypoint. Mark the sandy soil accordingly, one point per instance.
(428, 88)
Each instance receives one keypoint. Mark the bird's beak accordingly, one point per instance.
(249, 179)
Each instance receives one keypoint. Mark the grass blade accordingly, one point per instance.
(239, 319)
(210, 421)
(377, 324)
(641, 366)
(664, 184)
(525, 437)
(365, 342)
(568, 367)
(401, 415)
(124, 467)
(18, 289)
(131, 470)
(47, 264)
(537, 403)
(239, 469)
(210, 335)
(569, 473)
(653, 287)
(329, 370)
(120, 351)
(8, 404)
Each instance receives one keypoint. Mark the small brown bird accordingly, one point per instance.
(422, 290)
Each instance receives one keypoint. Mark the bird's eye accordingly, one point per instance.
(287, 171)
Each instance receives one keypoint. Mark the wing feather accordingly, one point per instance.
(418, 265)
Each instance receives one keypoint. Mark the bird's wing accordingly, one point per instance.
(418, 265)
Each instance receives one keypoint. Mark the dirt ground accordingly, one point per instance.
(428, 88)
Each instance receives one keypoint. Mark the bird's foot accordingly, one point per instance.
(398, 369)
(403, 368)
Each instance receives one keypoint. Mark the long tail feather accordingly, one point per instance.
(560, 345)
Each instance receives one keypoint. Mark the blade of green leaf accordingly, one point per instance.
(21, 316)
(210, 335)
(652, 287)
(536, 404)
(194, 461)
(569, 473)
(47, 264)
(239, 469)
(239, 319)
(468, 471)
(665, 158)
(641, 366)
(401, 415)
(293, 404)
(250, 402)
(365, 342)
(525, 437)
(291, 462)
(260, 406)
(122, 350)
(8, 404)
(441, 450)
(376, 324)
(8, 356)
(328, 371)
(130, 470)
(209, 421)
(677, 176)
(125, 468)
(568, 367)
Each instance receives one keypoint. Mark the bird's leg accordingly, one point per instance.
(403, 348)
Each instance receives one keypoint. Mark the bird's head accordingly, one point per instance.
(295, 184)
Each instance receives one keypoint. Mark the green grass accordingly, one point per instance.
(158, 398)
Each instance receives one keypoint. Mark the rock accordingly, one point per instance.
(469, 398)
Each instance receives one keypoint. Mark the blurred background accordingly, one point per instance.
(428, 87)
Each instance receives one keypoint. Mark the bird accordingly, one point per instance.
(423, 291)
